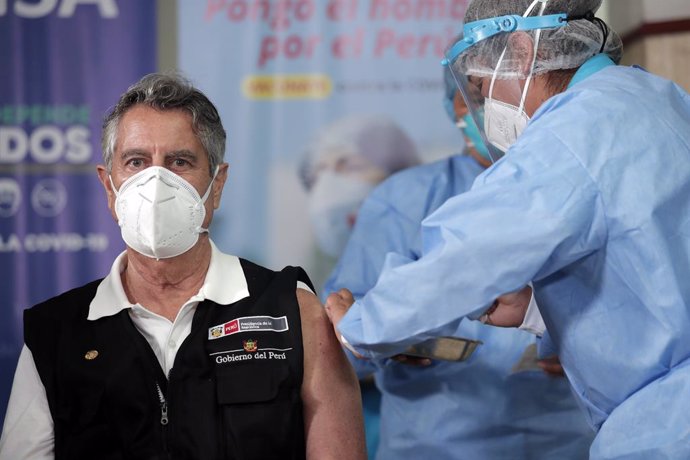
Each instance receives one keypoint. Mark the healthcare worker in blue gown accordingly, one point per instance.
(497, 405)
(591, 202)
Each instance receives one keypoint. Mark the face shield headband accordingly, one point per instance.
(477, 31)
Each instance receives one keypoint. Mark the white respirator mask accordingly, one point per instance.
(503, 123)
(159, 213)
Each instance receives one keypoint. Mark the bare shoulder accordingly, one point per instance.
(310, 307)
(330, 391)
(321, 347)
(317, 333)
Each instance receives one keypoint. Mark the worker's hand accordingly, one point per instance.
(551, 366)
(509, 309)
(337, 304)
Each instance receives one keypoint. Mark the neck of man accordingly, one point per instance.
(164, 286)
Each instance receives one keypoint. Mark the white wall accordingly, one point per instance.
(626, 15)
(666, 10)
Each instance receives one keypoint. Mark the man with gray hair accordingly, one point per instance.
(587, 198)
(182, 351)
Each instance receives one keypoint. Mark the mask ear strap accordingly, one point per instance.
(493, 77)
(537, 36)
(529, 77)
(112, 185)
(201, 229)
(210, 186)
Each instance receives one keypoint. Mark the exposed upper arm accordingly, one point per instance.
(333, 418)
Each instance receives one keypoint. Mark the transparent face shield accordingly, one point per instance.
(470, 88)
(491, 74)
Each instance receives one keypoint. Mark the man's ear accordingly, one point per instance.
(104, 177)
(521, 47)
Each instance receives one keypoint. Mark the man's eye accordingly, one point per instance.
(136, 162)
(180, 162)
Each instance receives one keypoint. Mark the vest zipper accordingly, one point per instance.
(164, 418)
(163, 404)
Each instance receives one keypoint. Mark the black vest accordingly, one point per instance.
(233, 392)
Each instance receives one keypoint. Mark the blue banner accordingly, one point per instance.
(63, 64)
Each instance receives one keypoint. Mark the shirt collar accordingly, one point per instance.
(225, 284)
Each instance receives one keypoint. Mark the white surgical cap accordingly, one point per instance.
(565, 47)
(375, 137)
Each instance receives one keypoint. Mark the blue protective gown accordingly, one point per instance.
(478, 409)
(593, 204)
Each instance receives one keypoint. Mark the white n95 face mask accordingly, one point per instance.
(160, 214)
(503, 123)
(333, 203)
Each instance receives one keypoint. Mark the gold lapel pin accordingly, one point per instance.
(91, 354)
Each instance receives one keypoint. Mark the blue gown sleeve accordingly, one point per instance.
(531, 214)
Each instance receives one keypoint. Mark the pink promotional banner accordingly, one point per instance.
(63, 63)
(308, 90)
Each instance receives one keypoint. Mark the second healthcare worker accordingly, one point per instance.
(497, 404)
(590, 202)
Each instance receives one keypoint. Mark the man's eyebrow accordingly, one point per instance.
(184, 154)
(134, 153)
